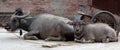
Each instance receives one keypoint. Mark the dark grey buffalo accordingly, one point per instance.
(97, 32)
(42, 26)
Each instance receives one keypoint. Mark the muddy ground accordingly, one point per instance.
(12, 41)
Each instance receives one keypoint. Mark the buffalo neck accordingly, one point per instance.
(25, 26)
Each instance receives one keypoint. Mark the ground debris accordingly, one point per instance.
(49, 46)
(54, 45)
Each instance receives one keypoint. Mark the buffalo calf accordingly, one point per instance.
(97, 32)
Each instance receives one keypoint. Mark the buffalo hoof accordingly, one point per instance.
(31, 38)
(80, 41)
(76, 40)
(47, 39)
(106, 40)
(116, 40)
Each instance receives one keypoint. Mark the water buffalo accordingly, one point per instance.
(42, 26)
(97, 32)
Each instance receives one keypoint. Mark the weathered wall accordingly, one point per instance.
(58, 7)
(109, 5)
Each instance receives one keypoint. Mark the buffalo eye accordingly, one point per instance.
(70, 23)
(14, 20)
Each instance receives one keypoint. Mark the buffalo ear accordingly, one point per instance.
(23, 21)
(71, 23)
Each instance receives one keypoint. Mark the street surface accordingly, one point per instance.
(12, 41)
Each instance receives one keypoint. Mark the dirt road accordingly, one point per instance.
(12, 41)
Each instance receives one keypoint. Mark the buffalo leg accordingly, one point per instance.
(90, 38)
(30, 36)
(114, 39)
(80, 41)
(27, 37)
(55, 38)
(55, 34)
(83, 40)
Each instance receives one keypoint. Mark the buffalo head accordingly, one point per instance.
(78, 27)
(16, 20)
